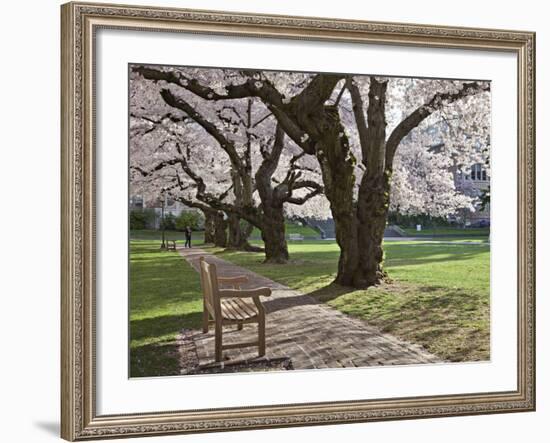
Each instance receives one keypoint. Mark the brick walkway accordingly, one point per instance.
(301, 333)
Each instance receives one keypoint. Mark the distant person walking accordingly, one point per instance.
(188, 236)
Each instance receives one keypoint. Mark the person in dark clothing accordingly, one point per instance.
(187, 237)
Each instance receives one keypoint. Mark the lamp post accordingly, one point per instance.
(163, 224)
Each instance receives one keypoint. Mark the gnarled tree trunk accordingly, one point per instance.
(372, 213)
(337, 166)
(362, 225)
(238, 233)
(215, 228)
(273, 235)
(220, 230)
(209, 227)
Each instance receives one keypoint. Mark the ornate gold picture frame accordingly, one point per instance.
(80, 22)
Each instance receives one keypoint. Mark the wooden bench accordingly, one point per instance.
(170, 245)
(236, 306)
(295, 237)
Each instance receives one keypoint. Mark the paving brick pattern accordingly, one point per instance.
(309, 333)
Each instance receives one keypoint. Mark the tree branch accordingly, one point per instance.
(359, 115)
(157, 167)
(252, 87)
(248, 213)
(210, 128)
(305, 198)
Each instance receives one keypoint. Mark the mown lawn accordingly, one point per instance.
(438, 296)
(152, 234)
(164, 297)
(291, 228)
(448, 231)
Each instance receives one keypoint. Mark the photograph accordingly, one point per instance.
(286, 220)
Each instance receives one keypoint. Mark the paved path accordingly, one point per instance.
(299, 329)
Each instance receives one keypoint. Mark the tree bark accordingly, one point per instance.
(372, 213)
(273, 235)
(215, 228)
(273, 220)
(209, 227)
(220, 230)
(238, 234)
(337, 166)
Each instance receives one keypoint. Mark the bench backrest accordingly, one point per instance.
(210, 290)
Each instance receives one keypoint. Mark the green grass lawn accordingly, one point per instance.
(438, 296)
(151, 234)
(292, 228)
(164, 297)
(447, 231)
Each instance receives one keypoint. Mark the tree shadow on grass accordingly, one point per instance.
(450, 322)
(169, 257)
(419, 257)
(163, 325)
(159, 356)
(154, 360)
(330, 292)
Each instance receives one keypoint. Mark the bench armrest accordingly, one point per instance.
(245, 293)
(233, 280)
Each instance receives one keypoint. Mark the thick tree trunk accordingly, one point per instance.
(273, 220)
(209, 227)
(238, 234)
(273, 235)
(338, 169)
(220, 230)
(215, 228)
(372, 213)
(359, 225)
(360, 234)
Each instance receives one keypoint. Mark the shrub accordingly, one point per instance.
(142, 218)
(410, 221)
(169, 222)
(193, 219)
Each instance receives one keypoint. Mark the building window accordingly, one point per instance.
(136, 202)
(478, 173)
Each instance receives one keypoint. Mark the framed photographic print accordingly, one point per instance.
(282, 221)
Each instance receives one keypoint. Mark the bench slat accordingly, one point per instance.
(237, 309)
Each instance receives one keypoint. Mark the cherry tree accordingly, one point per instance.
(356, 151)
(154, 128)
(154, 172)
(267, 172)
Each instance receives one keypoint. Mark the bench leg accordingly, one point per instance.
(218, 342)
(239, 326)
(204, 319)
(261, 337)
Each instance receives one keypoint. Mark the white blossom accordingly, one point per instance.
(422, 180)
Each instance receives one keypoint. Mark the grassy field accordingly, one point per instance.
(292, 228)
(446, 231)
(151, 234)
(438, 296)
(164, 297)
(198, 236)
